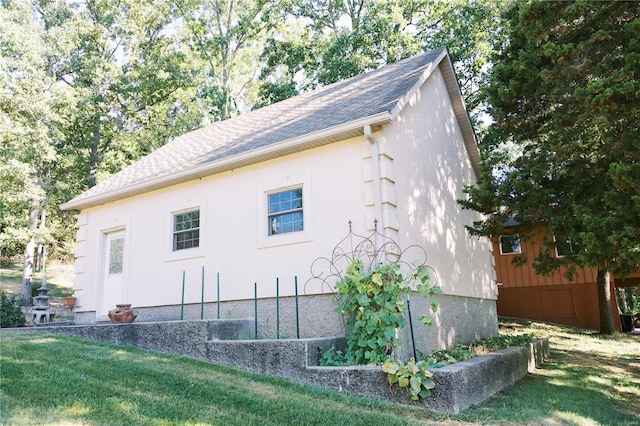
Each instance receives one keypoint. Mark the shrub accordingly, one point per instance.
(373, 306)
(10, 311)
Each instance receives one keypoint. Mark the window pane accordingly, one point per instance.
(116, 256)
(509, 244)
(563, 246)
(285, 201)
(186, 230)
(289, 222)
(285, 212)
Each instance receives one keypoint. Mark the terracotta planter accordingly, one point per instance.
(68, 302)
(122, 313)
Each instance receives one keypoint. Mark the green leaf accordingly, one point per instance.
(416, 383)
(403, 382)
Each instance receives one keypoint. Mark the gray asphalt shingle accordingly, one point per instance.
(356, 98)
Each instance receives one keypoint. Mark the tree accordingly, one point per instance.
(85, 89)
(129, 71)
(226, 37)
(565, 92)
(30, 102)
(326, 41)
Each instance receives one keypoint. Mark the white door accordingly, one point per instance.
(113, 272)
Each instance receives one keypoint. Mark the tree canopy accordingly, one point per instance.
(564, 92)
(87, 88)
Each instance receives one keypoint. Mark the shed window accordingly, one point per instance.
(563, 246)
(186, 230)
(285, 212)
(510, 244)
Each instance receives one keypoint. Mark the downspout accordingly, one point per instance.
(377, 184)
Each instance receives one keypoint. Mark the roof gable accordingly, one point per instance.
(322, 116)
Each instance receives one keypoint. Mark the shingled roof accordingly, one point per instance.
(325, 115)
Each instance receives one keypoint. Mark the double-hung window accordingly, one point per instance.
(285, 212)
(186, 230)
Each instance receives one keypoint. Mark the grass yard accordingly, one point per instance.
(57, 380)
(59, 280)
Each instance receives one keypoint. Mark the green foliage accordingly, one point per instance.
(462, 352)
(373, 306)
(565, 95)
(414, 376)
(332, 357)
(10, 311)
(327, 41)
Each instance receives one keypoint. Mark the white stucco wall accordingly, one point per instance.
(233, 231)
(423, 167)
(430, 167)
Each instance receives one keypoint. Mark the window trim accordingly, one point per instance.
(264, 239)
(511, 252)
(167, 238)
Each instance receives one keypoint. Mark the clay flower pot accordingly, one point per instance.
(122, 313)
(68, 302)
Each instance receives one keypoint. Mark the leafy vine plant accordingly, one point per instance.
(372, 304)
(372, 281)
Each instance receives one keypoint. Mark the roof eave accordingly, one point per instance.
(286, 147)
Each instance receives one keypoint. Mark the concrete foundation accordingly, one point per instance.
(457, 320)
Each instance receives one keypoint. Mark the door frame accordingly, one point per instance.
(105, 235)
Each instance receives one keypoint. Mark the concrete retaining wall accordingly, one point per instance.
(458, 386)
(457, 320)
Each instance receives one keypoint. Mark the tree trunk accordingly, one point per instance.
(604, 302)
(95, 153)
(42, 250)
(621, 297)
(27, 268)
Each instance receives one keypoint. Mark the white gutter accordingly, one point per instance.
(377, 184)
(272, 151)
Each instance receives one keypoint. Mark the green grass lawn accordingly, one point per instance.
(59, 280)
(58, 380)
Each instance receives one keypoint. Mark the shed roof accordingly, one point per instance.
(328, 114)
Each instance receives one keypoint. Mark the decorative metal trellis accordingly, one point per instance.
(371, 250)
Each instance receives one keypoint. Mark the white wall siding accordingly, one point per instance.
(233, 238)
(432, 168)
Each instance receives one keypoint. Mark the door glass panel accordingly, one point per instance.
(116, 255)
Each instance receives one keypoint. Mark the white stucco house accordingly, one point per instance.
(262, 195)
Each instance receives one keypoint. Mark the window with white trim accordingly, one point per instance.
(510, 244)
(563, 246)
(285, 211)
(186, 230)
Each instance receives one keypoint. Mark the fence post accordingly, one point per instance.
(182, 302)
(202, 296)
(297, 309)
(218, 292)
(277, 308)
(413, 339)
(255, 309)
